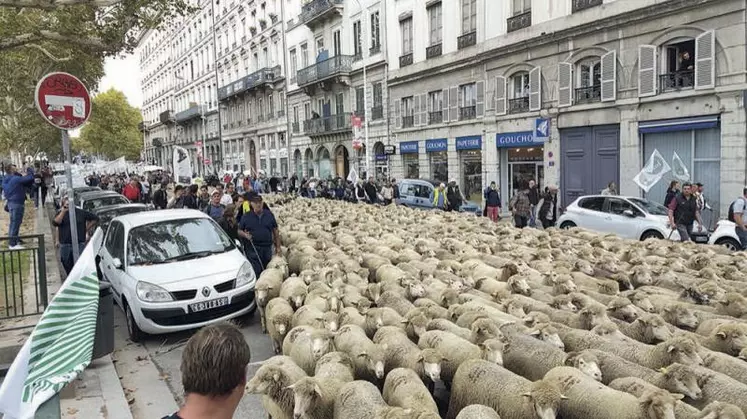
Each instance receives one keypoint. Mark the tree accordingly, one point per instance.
(112, 130)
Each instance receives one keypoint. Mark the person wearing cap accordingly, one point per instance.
(215, 209)
(260, 229)
(439, 197)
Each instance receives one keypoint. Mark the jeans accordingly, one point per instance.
(685, 231)
(547, 223)
(742, 237)
(493, 213)
(521, 220)
(532, 216)
(66, 255)
(259, 257)
(16, 218)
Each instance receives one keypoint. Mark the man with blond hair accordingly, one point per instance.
(213, 373)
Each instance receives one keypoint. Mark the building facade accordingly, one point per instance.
(617, 81)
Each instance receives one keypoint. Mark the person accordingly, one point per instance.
(493, 202)
(145, 189)
(213, 368)
(215, 209)
(371, 192)
(360, 193)
(132, 190)
(228, 222)
(293, 181)
(395, 188)
(84, 220)
(611, 189)
(520, 206)
(700, 198)
(439, 198)
(534, 198)
(227, 197)
(160, 197)
(260, 229)
(203, 197)
(189, 199)
(453, 196)
(178, 193)
(683, 211)
(548, 210)
(672, 190)
(273, 184)
(41, 189)
(14, 188)
(387, 193)
(736, 215)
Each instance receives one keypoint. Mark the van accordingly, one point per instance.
(418, 193)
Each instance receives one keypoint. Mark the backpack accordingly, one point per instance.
(731, 209)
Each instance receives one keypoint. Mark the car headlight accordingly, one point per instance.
(151, 293)
(246, 275)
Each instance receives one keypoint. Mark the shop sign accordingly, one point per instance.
(516, 139)
(381, 157)
(471, 142)
(390, 149)
(408, 147)
(542, 129)
(432, 146)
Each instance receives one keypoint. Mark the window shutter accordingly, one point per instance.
(647, 79)
(397, 118)
(500, 95)
(480, 104)
(565, 84)
(424, 109)
(416, 110)
(535, 89)
(705, 62)
(489, 95)
(609, 77)
(445, 105)
(454, 103)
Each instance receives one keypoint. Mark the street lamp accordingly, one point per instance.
(365, 89)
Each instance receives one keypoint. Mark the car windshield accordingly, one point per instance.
(650, 207)
(92, 204)
(176, 240)
(107, 216)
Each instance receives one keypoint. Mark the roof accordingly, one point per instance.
(149, 217)
(95, 194)
(612, 196)
(118, 206)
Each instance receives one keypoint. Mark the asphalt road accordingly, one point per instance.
(165, 352)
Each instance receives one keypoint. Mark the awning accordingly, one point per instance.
(679, 124)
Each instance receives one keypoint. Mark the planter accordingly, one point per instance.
(262, 24)
(253, 30)
(273, 18)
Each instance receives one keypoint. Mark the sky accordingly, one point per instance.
(123, 74)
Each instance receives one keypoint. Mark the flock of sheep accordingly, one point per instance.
(373, 311)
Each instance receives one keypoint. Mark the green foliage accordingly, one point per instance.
(112, 129)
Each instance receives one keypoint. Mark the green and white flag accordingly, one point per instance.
(61, 345)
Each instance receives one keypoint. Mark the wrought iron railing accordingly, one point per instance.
(467, 40)
(328, 124)
(316, 8)
(518, 105)
(435, 117)
(467, 112)
(23, 291)
(677, 80)
(520, 21)
(589, 94)
(337, 65)
(434, 50)
(408, 121)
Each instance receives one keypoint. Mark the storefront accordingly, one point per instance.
(692, 149)
(469, 149)
(522, 160)
(438, 157)
(381, 162)
(410, 159)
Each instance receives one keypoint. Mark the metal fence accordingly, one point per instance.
(23, 280)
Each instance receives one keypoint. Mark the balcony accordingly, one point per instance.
(328, 124)
(521, 21)
(260, 118)
(375, 49)
(518, 105)
(467, 112)
(408, 121)
(579, 5)
(589, 94)
(336, 66)
(433, 51)
(166, 117)
(194, 111)
(467, 40)
(141, 126)
(677, 80)
(265, 76)
(295, 127)
(270, 116)
(435, 117)
(281, 113)
(315, 11)
(377, 112)
(358, 56)
(405, 60)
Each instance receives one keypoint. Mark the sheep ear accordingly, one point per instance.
(534, 332)
(404, 321)
(527, 395)
(663, 370)
(563, 397)
(290, 387)
(721, 335)
(276, 376)
(671, 348)
(678, 396)
(318, 390)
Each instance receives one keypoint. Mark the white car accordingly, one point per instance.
(724, 235)
(628, 217)
(174, 270)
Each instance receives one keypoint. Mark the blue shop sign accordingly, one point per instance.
(470, 142)
(408, 147)
(432, 146)
(516, 139)
(381, 157)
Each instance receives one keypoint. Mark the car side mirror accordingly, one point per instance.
(117, 263)
(629, 213)
(238, 243)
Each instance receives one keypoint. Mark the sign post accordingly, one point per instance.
(64, 102)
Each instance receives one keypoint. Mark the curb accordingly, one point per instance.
(112, 392)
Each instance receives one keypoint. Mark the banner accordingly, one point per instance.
(353, 176)
(357, 124)
(679, 170)
(655, 169)
(61, 345)
(182, 166)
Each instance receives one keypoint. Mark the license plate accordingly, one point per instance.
(701, 239)
(207, 305)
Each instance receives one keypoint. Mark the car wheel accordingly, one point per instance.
(134, 332)
(567, 225)
(651, 235)
(729, 243)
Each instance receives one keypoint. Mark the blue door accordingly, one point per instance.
(589, 159)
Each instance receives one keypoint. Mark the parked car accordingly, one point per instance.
(418, 193)
(174, 270)
(77, 191)
(724, 235)
(90, 201)
(108, 213)
(628, 217)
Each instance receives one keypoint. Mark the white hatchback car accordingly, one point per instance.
(174, 270)
(724, 235)
(628, 217)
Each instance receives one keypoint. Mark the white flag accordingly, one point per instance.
(651, 174)
(353, 176)
(61, 345)
(182, 166)
(679, 170)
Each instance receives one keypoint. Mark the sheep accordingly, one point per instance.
(368, 358)
(315, 397)
(729, 338)
(395, 301)
(403, 388)
(311, 316)
(678, 315)
(532, 358)
(586, 318)
(477, 411)
(622, 308)
(415, 325)
(718, 410)
(294, 290)
(725, 364)
(510, 395)
(382, 316)
(280, 314)
(604, 286)
(649, 328)
(272, 381)
(447, 326)
(590, 399)
(267, 287)
(456, 350)
(350, 315)
(362, 400)
(638, 387)
(308, 347)
(733, 304)
(718, 387)
(334, 365)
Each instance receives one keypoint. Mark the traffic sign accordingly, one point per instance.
(541, 129)
(63, 100)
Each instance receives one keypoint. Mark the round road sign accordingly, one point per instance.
(63, 100)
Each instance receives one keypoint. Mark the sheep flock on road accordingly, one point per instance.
(389, 312)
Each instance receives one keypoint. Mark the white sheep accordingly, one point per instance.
(456, 351)
(404, 388)
(280, 315)
(362, 400)
(308, 347)
(477, 411)
(368, 358)
(400, 352)
(267, 288)
(272, 381)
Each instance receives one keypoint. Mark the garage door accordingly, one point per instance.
(590, 159)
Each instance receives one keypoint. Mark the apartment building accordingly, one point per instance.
(336, 54)
(618, 82)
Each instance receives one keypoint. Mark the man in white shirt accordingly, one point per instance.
(227, 197)
(736, 215)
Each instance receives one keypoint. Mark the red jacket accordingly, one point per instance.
(131, 192)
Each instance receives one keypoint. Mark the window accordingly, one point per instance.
(522, 6)
(375, 32)
(593, 204)
(468, 96)
(520, 85)
(679, 66)
(295, 119)
(435, 104)
(408, 119)
(589, 73)
(469, 16)
(319, 45)
(360, 102)
(357, 45)
(304, 55)
(377, 111)
(339, 104)
(337, 43)
(293, 64)
(436, 24)
(618, 206)
(405, 27)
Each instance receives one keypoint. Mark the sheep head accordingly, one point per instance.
(681, 316)
(374, 359)
(547, 333)
(519, 285)
(321, 342)
(492, 350)
(609, 331)
(431, 359)
(623, 309)
(721, 410)
(733, 336)
(659, 403)
(483, 329)
(655, 329)
(563, 302)
(682, 379)
(586, 362)
(269, 379)
(306, 393)
(641, 301)
(545, 398)
(683, 350)
(262, 293)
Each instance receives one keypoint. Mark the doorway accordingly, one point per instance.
(518, 172)
(342, 166)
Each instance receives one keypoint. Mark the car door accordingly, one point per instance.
(408, 192)
(113, 249)
(619, 223)
(591, 214)
(425, 195)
